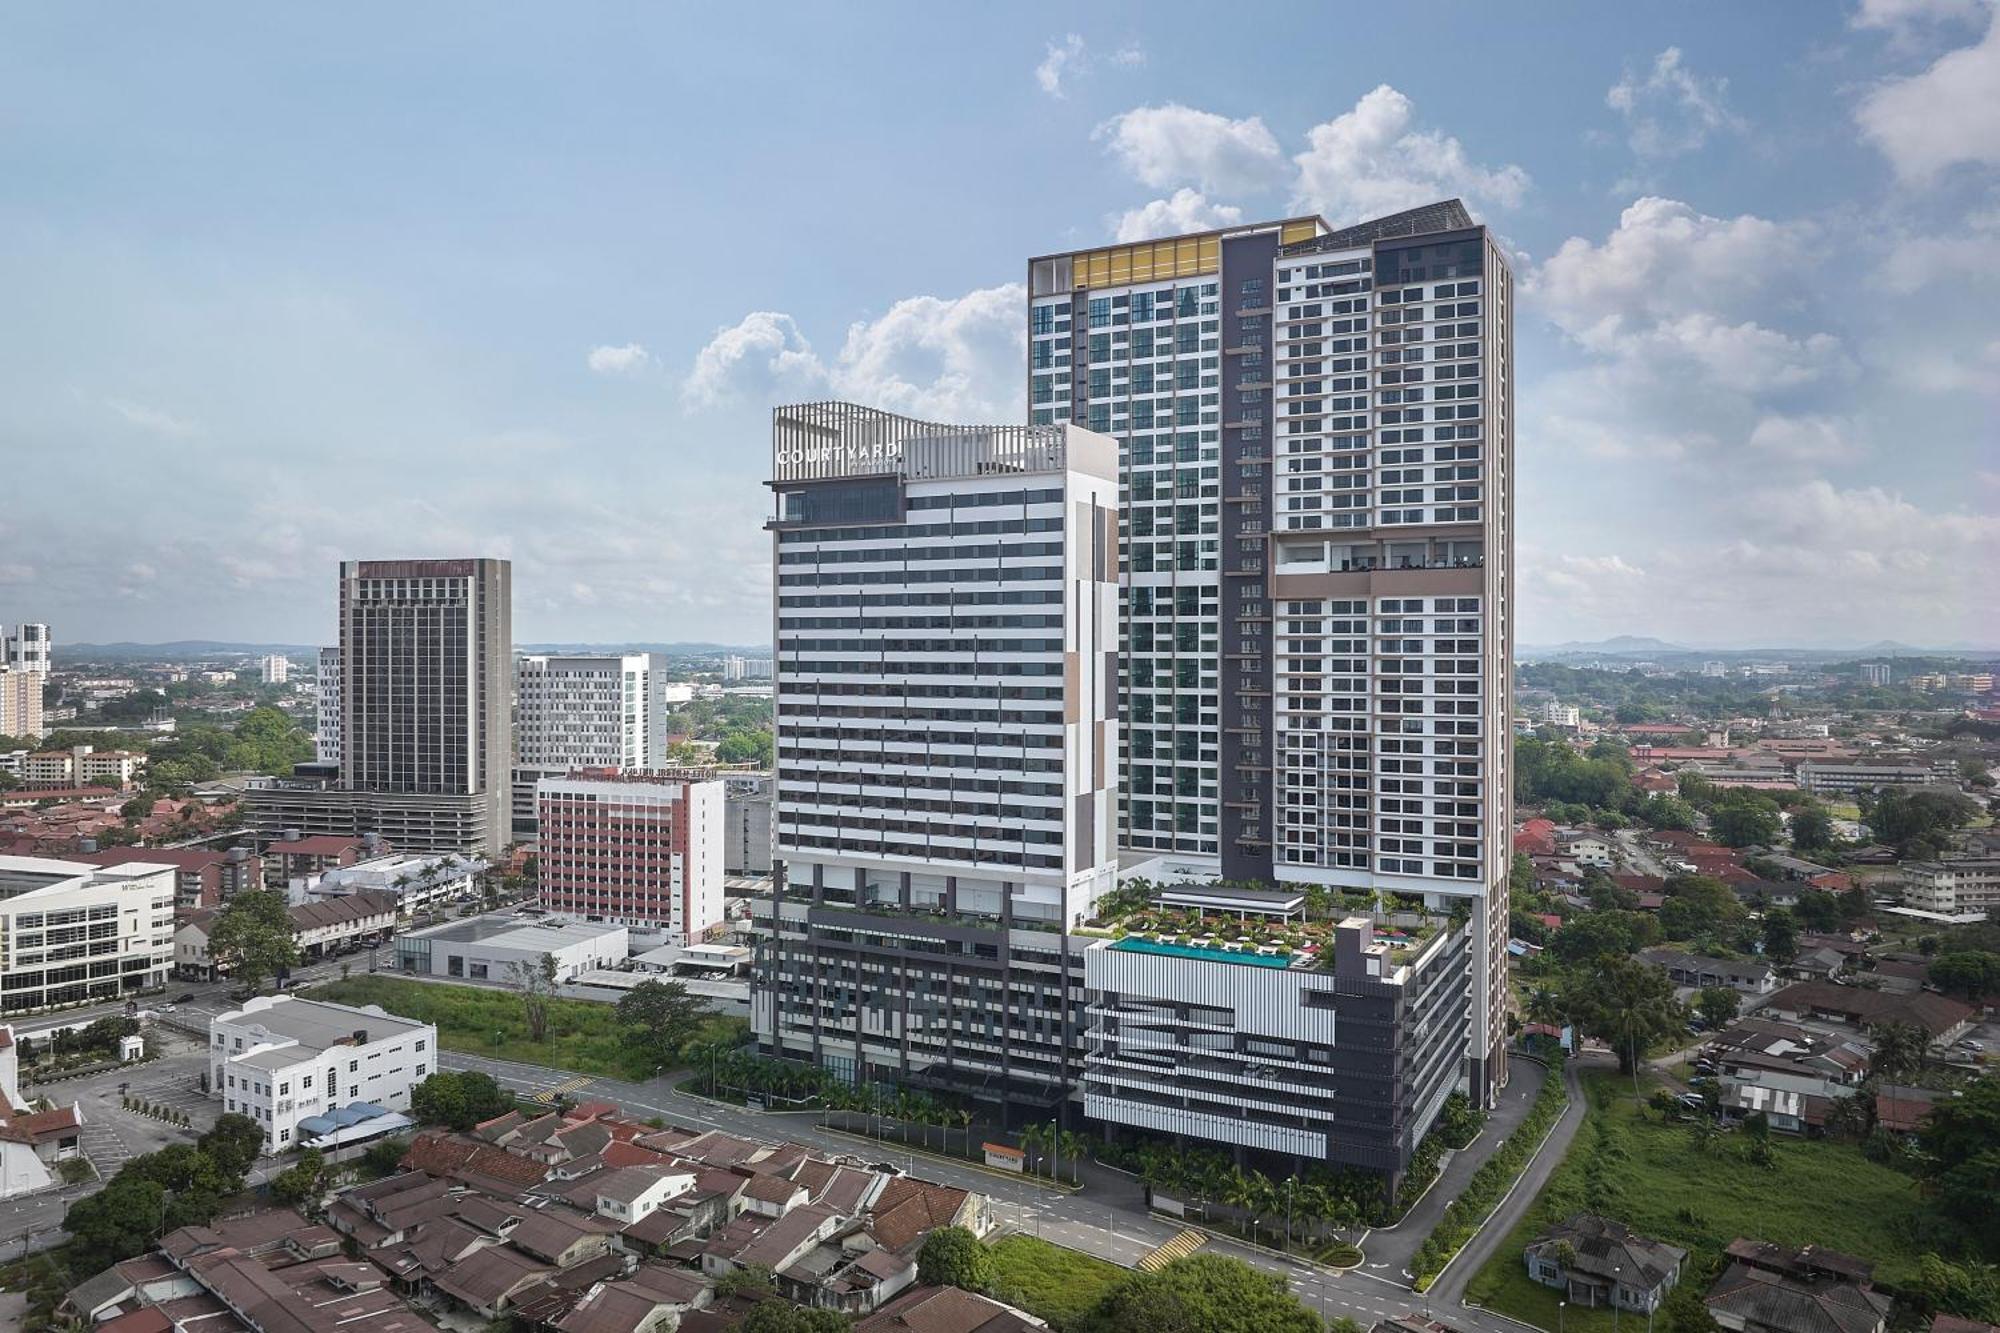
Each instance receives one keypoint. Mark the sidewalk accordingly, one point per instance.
(1390, 1250)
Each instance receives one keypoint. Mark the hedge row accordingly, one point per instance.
(1489, 1184)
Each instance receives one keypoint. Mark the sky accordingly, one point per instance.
(283, 285)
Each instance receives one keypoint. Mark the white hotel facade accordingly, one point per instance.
(947, 646)
(603, 711)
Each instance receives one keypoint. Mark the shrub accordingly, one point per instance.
(1489, 1184)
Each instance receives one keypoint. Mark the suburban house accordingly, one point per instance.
(1943, 1018)
(1770, 1289)
(1586, 849)
(1748, 975)
(1595, 1261)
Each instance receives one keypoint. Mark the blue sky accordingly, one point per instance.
(287, 287)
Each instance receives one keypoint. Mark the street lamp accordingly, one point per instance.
(1615, 1271)
(1560, 1307)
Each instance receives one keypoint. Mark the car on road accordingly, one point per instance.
(187, 998)
(167, 1008)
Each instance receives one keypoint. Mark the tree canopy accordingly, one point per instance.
(1971, 975)
(1203, 1293)
(1626, 1003)
(656, 1018)
(459, 1099)
(1961, 1153)
(252, 937)
(954, 1257)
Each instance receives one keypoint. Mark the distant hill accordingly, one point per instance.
(1624, 645)
(177, 649)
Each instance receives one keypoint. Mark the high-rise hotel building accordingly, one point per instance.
(946, 650)
(1316, 443)
(585, 711)
(426, 726)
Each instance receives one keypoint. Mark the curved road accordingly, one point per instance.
(1449, 1290)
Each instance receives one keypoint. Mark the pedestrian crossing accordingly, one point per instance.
(550, 1096)
(1180, 1247)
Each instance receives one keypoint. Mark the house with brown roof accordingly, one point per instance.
(651, 1297)
(1943, 1018)
(487, 1281)
(773, 1196)
(946, 1310)
(561, 1236)
(908, 1209)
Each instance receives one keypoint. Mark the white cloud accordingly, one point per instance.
(1671, 110)
(948, 358)
(1770, 561)
(1972, 251)
(157, 420)
(1665, 260)
(1806, 439)
(1184, 211)
(954, 359)
(1129, 56)
(12, 571)
(1900, 16)
(1946, 116)
(1371, 160)
(1744, 357)
(1063, 57)
(1950, 370)
(1173, 145)
(761, 352)
(627, 360)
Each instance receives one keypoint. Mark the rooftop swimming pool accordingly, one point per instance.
(1136, 944)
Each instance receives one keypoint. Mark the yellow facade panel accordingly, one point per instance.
(1294, 232)
(1148, 261)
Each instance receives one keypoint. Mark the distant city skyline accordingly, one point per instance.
(495, 306)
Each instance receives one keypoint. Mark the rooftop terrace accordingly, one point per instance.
(1254, 927)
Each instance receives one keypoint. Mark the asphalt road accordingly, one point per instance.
(1107, 1218)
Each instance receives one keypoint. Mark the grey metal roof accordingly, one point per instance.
(1444, 215)
(319, 1023)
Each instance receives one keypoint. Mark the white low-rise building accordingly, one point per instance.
(71, 931)
(280, 1060)
(486, 948)
(1970, 884)
(413, 880)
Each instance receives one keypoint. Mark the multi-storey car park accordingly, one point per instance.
(946, 643)
(1316, 434)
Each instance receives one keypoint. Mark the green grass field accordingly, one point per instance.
(1049, 1281)
(583, 1034)
(1630, 1166)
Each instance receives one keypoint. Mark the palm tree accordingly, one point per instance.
(1268, 1201)
(1074, 1144)
(964, 1117)
(1031, 1142)
(1240, 1190)
(1900, 1050)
